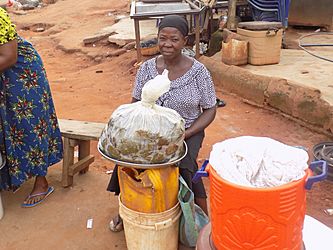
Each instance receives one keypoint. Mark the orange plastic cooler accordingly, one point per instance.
(258, 218)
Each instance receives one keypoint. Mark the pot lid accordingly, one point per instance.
(259, 25)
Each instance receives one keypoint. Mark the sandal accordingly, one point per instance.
(116, 224)
(220, 103)
(34, 198)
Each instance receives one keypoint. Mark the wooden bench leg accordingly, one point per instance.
(84, 151)
(69, 168)
(68, 161)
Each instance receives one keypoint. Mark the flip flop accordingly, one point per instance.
(116, 224)
(220, 103)
(47, 193)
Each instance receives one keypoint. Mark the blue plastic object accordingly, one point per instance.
(201, 173)
(268, 6)
(271, 10)
(265, 14)
(316, 178)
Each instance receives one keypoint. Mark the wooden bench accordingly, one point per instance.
(77, 133)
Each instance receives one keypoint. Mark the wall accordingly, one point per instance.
(311, 13)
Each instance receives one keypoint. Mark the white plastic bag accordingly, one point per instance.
(144, 132)
(258, 161)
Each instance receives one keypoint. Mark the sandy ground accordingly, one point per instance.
(81, 93)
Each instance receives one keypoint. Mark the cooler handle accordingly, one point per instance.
(316, 178)
(201, 173)
(272, 32)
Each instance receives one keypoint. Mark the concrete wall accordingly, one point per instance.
(299, 102)
(311, 13)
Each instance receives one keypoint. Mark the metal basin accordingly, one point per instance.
(138, 165)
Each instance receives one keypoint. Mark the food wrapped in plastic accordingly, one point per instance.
(144, 132)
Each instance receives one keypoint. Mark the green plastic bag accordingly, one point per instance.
(193, 217)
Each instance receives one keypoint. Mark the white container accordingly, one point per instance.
(151, 231)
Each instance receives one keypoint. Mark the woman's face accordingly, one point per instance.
(222, 24)
(171, 42)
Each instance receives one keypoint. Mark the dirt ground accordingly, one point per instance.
(88, 85)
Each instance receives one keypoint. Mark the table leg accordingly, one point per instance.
(197, 36)
(137, 40)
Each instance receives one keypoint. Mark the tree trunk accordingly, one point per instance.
(231, 24)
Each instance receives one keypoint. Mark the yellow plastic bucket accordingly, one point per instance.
(151, 231)
(150, 191)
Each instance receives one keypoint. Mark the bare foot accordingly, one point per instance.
(39, 191)
(116, 224)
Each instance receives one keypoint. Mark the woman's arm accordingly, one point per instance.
(8, 54)
(202, 122)
(134, 100)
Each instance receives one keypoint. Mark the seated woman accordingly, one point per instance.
(30, 139)
(191, 94)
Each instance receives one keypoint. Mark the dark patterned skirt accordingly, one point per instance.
(30, 138)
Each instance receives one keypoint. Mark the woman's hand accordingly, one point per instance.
(8, 55)
(202, 122)
(134, 100)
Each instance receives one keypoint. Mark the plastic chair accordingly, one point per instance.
(267, 4)
(287, 6)
(263, 6)
(282, 5)
(264, 14)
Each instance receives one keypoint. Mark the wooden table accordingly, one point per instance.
(196, 8)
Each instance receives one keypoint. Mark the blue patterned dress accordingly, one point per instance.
(30, 138)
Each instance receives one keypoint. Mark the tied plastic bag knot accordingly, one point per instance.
(154, 88)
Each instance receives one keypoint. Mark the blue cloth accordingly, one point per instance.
(30, 138)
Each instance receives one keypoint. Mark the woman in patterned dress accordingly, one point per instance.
(30, 139)
(191, 94)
